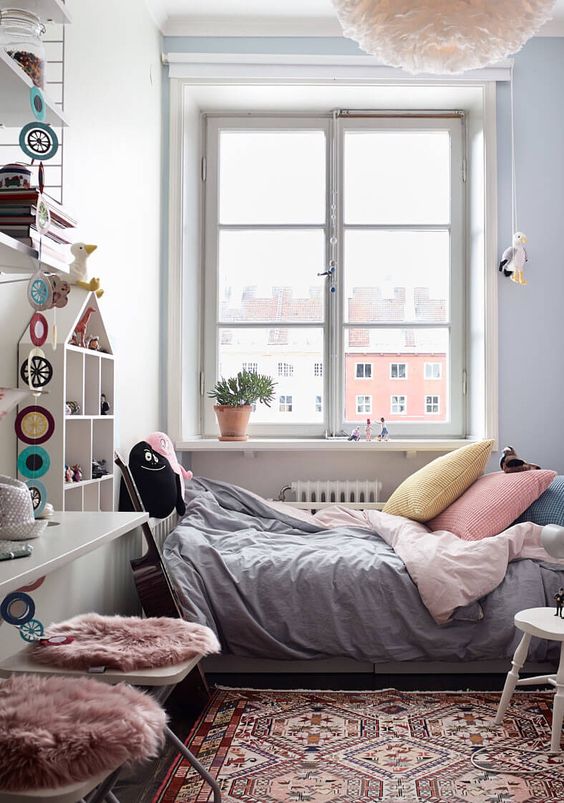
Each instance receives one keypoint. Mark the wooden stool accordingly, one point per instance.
(543, 623)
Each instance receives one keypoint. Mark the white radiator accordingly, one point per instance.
(317, 494)
(163, 527)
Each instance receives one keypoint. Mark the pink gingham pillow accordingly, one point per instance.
(492, 504)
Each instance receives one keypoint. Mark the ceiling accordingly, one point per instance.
(267, 18)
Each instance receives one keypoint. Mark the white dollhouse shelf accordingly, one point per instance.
(80, 375)
(16, 257)
(15, 108)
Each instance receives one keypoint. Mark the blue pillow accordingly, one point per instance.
(549, 507)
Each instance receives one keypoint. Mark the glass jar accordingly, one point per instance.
(20, 37)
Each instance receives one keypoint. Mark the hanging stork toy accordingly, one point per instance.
(514, 259)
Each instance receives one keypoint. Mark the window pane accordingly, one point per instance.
(289, 357)
(397, 177)
(271, 275)
(397, 276)
(419, 398)
(272, 177)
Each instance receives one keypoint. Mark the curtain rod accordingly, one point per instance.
(367, 113)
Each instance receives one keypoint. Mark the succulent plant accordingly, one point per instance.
(247, 387)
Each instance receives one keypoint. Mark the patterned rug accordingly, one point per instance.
(355, 747)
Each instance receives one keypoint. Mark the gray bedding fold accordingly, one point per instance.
(273, 586)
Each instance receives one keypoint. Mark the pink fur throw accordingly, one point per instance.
(57, 731)
(124, 642)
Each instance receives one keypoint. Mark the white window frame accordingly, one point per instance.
(400, 378)
(428, 364)
(392, 403)
(286, 403)
(364, 396)
(364, 364)
(193, 90)
(432, 403)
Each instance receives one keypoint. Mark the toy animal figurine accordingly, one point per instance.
(79, 335)
(559, 600)
(161, 443)
(79, 271)
(384, 434)
(368, 430)
(61, 290)
(355, 434)
(511, 463)
(68, 474)
(104, 405)
(99, 469)
(76, 473)
(93, 343)
(159, 485)
(514, 258)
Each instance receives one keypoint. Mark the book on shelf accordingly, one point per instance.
(24, 202)
(25, 227)
(59, 251)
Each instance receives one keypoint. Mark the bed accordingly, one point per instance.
(276, 585)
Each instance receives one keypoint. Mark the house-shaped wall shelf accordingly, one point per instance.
(49, 436)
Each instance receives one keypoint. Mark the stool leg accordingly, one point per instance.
(193, 761)
(558, 705)
(112, 798)
(513, 676)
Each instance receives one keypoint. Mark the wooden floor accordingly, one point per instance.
(138, 788)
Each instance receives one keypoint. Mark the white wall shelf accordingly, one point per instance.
(16, 257)
(15, 109)
(47, 10)
(80, 375)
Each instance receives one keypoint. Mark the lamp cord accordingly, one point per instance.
(513, 165)
(493, 771)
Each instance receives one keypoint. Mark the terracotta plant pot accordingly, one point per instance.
(233, 421)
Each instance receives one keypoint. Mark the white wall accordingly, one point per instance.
(112, 184)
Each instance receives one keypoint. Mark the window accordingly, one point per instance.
(432, 405)
(363, 404)
(251, 366)
(433, 370)
(285, 369)
(398, 370)
(318, 404)
(289, 199)
(398, 405)
(364, 370)
(285, 404)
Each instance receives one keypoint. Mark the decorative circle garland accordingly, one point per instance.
(40, 291)
(37, 103)
(42, 216)
(34, 425)
(11, 608)
(38, 496)
(38, 329)
(36, 371)
(38, 141)
(33, 462)
(32, 630)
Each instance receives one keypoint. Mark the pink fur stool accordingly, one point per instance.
(56, 731)
(124, 643)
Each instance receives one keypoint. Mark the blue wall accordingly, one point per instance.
(531, 329)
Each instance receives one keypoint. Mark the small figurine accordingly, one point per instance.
(79, 270)
(93, 343)
(355, 434)
(368, 430)
(104, 405)
(384, 434)
(61, 290)
(72, 408)
(514, 259)
(79, 335)
(99, 469)
(68, 474)
(559, 599)
(76, 473)
(511, 463)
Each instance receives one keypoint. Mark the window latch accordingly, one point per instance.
(329, 272)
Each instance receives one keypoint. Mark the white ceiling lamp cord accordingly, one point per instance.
(513, 161)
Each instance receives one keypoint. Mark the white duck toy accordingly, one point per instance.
(514, 258)
(79, 269)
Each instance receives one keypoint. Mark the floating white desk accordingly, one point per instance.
(69, 536)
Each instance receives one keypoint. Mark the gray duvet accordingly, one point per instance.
(273, 586)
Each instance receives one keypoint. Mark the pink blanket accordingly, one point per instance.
(448, 572)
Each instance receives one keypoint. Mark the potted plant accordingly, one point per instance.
(234, 400)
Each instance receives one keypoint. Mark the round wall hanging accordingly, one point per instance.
(17, 608)
(32, 630)
(38, 496)
(33, 462)
(38, 141)
(42, 217)
(39, 291)
(37, 102)
(38, 329)
(36, 371)
(34, 425)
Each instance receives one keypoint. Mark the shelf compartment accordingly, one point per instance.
(73, 498)
(91, 497)
(103, 441)
(91, 383)
(75, 380)
(78, 445)
(107, 382)
(107, 493)
(15, 110)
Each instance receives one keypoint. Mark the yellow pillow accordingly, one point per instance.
(429, 491)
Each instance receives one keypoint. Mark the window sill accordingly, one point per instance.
(408, 446)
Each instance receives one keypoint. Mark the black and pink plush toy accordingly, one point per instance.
(158, 485)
